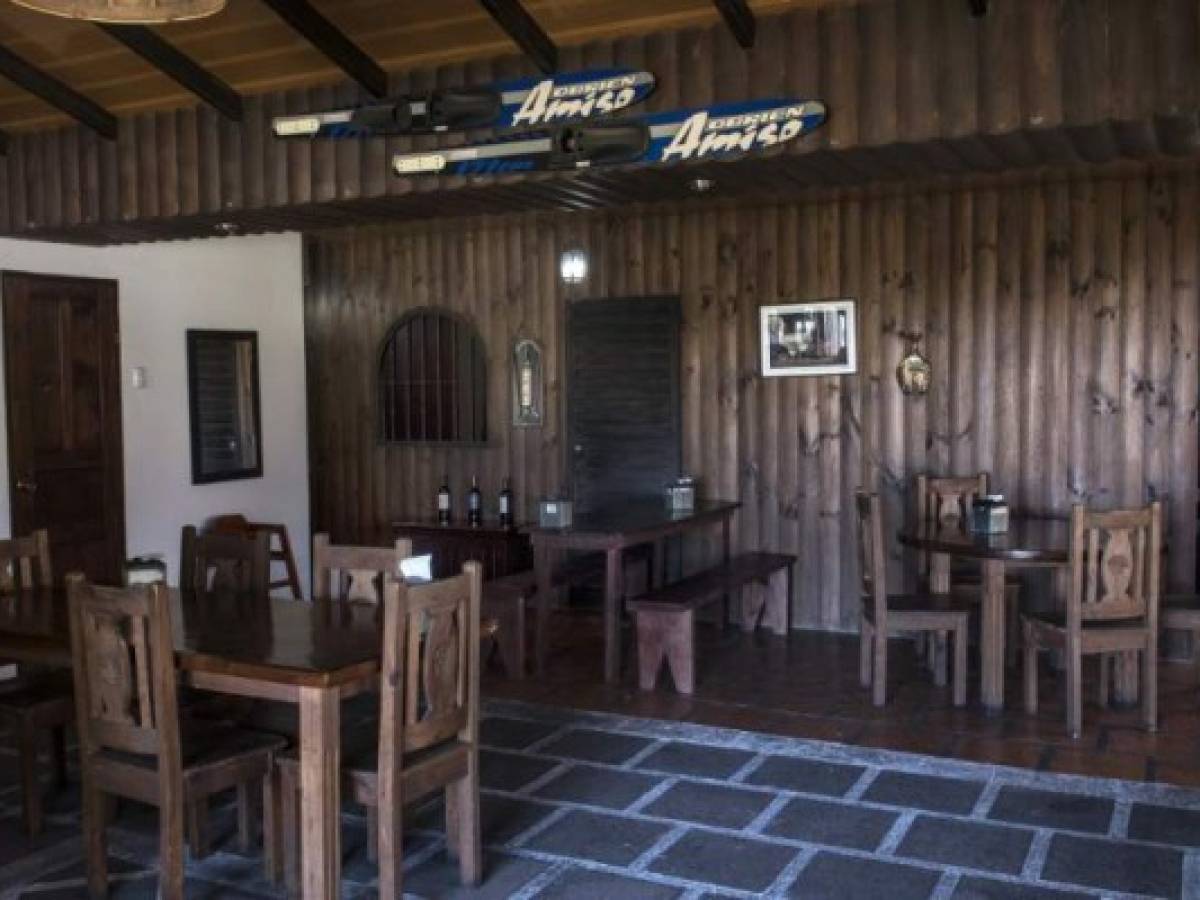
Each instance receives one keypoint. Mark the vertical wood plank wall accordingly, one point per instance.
(1059, 312)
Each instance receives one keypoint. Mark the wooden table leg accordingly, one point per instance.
(992, 636)
(544, 571)
(320, 793)
(1126, 681)
(939, 573)
(614, 589)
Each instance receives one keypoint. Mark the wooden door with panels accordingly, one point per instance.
(63, 389)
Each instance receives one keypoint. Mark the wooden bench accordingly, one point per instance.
(666, 618)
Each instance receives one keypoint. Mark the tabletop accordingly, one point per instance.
(638, 519)
(1035, 540)
(274, 639)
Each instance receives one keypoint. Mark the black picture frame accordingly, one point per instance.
(204, 471)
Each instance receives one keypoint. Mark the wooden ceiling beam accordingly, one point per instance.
(740, 19)
(525, 32)
(41, 84)
(332, 41)
(178, 66)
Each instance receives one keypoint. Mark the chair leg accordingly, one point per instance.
(197, 828)
(865, 643)
(391, 846)
(960, 664)
(373, 834)
(879, 681)
(245, 817)
(59, 743)
(95, 818)
(31, 789)
(1150, 683)
(1105, 680)
(170, 850)
(1074, 662)
(1031, 671)
(289, 790)
(272, 827)
(463, 804)
(1012, 624)
(940, 654)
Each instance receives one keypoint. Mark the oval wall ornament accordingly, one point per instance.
(126, 12)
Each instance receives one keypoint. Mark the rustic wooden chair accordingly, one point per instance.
(279, 548)
(129, 730)
(224, 562)
(34, 703)
(428, 728)
(947, 502)
(1111, 605)
(884, 615)
(342, 572)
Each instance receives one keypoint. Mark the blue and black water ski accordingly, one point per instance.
(522, 103)
(723, 132)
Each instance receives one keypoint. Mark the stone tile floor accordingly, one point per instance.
(587, 805)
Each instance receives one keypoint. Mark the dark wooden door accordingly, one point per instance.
(62, 368)
(623, 420)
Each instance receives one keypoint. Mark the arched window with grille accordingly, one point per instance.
(432, 380)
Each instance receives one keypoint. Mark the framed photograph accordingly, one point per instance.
(814, 338)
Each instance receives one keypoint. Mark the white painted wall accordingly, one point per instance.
(251, 283)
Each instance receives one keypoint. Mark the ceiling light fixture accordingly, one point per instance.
(127, 12)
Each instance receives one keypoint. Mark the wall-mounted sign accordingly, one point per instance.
(520, 103)
(720, 132)
(816, 338)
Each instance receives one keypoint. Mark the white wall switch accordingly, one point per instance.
(137, 377)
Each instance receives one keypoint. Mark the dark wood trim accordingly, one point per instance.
(41, 84)
(740, 19)
(178, 66)
(332, 41)
(525, 32)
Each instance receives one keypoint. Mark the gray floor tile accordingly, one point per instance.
(513, 734)
(1051, 809)
(503, 875)
(831, 875)
(596, 746)
(971, 887)
(931, 792)
(595, 786)
(598, 837)
(971, 845)
(1111, 865)
(723, 861)
(680, 758)
(1165, 824)
(584, 884)
(510, 771)
(806, 776)
(709, 804)
(837, 824)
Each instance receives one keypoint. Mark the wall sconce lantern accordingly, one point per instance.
(573, 266)
(914, 373)
(527, 384)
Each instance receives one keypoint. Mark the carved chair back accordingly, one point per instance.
(343, 572)
(124, 666)
(225, 561)
(429, 690)
(872, 562)
(945, 502)
(25, 562)
(1115, 565)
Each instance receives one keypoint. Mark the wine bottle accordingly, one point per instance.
(474, 505)
(443, 501)
(506, 499)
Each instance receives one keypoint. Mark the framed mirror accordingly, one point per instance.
(224, 403)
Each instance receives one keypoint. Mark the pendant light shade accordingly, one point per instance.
(126, 11)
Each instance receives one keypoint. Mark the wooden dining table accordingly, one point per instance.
(311, 655)
(1028, 542)
(611, 531)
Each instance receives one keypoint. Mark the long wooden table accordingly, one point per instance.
(611, 531)
(310, 654)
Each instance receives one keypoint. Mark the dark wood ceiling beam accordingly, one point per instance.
(332, 41)
(525, 32)
(179, 67)
(41, 84)
(740, 19)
